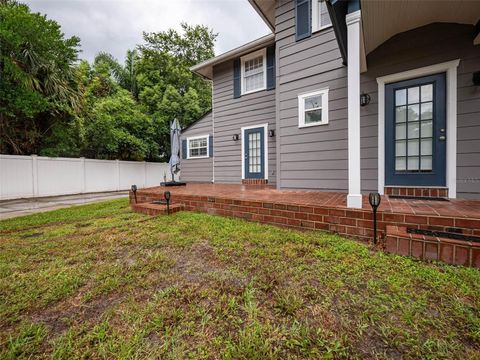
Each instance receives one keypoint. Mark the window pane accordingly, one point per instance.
(427, 111)
(254, 82)
(426, 129)
(413, 95)
(203, 151)
(400, 148)
(313, 116)
(313, 102)
(427, 92)
(401, 164)
(413, 163)
(401, 114)
(400, 97)
(400, 132)
(413, 114)
(413, 147)
(426, 163)
(413, 130)
(426, 147)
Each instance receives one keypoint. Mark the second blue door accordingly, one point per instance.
(254, 153)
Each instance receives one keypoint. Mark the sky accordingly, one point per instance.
(115, 26)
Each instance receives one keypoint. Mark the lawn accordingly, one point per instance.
(99, 281)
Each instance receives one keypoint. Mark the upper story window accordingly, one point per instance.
(197, 147)
(254, 69)
(313, 108)
(320, 16)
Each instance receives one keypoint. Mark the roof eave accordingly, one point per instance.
(262, 14)
(205, 69)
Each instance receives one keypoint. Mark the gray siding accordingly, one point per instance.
(230, 115)
(428, 45)
(314, 157)
(198, 170)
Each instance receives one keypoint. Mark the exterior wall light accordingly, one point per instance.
(134, 190)
(235, 137)
(364, 99)
(476, 78)
(271, 133)
(167, 197)
(374, 199)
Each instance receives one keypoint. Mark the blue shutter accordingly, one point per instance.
(303, 19)
(184, 149)
(237, 78)
(210, 146)
(271, 67)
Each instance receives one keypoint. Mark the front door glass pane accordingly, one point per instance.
(254, 150)
(414, 105)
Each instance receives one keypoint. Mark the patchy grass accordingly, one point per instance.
(99, 281)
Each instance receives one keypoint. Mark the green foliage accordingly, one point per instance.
(52, 105)
(37, 80)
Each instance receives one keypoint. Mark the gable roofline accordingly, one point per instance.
(266, 10)
(205, 68)
(196, 121)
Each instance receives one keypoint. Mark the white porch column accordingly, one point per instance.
(354, 198)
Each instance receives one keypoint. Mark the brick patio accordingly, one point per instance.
(328, 211)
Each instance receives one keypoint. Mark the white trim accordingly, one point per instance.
(243, 59)
(317, 18)
(354, 198)
(450, 67)
(265, 147)
(324, 108)
(195, 138)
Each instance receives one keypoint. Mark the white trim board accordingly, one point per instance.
(265, 146)
(450, 68)
(194, 138)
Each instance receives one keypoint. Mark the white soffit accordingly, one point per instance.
(384, 19)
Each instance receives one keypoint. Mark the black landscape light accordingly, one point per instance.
(167, 196)
(134, 190)
(374, 199)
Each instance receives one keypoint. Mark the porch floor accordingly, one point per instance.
(452, 208)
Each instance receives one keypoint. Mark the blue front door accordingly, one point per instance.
(254, 153)
(415, 132)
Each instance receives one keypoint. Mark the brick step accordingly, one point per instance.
(156, 209)
(450, 251)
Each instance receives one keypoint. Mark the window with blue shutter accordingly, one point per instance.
(237, 78)
(303, 19)
(271, 67)
(210, 146)
(184, 149)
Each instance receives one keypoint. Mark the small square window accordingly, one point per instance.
(197, 147)
(320, 16)
(313, 108)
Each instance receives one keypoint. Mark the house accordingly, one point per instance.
(350, 96)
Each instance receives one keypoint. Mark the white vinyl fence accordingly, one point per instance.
(34, 176)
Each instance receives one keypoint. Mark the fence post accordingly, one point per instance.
(34, 175)
(83, 175)
(117, 172)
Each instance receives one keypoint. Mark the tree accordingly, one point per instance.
(38, 86)
(166, 86)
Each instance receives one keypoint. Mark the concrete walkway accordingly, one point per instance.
(21, 207)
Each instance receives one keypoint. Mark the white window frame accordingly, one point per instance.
(317, 18)
(196, 138)
(243, 59)
(301, 108)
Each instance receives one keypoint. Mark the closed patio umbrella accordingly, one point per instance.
(175, 147)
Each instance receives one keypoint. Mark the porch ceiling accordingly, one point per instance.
(384, 19)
